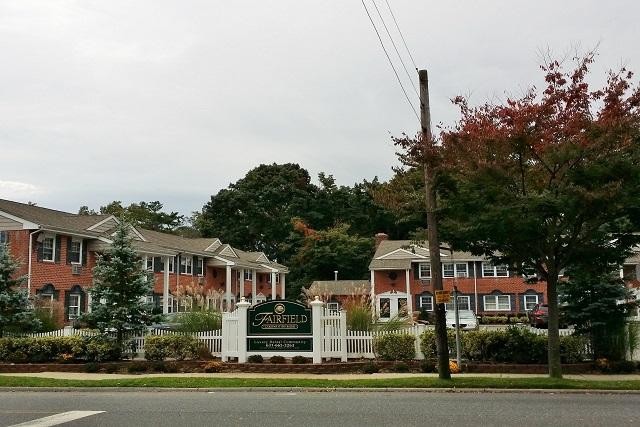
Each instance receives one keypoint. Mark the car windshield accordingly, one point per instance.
(463, 314)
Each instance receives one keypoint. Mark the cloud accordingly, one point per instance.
(19, 191)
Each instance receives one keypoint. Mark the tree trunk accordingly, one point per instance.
(436, 275)
(555, 369)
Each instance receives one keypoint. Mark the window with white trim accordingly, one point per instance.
(171, 262)
(490, 270)
(4, 237)
(424, 270)
(425, 302)
(186, 265)
(48, 249)
(74, 306)
(530, 301)
(464, 303)
(248, 274)
(497, 302)
(148, 263)
(200, 266)
(75, 252)
(333, 306)
(458, 269)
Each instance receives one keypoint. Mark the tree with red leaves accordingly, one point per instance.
(547, 181)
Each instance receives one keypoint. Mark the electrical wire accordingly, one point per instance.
(390, 62)
(395, 48)
(401, 36)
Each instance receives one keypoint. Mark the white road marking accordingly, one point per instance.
(54, 420)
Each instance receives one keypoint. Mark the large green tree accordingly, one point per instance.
(120, 285)
(325, 251)
(147, 215)
(548, 180)
(15, 310)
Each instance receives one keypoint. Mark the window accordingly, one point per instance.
(426, 302)
(497, 302)
(4, 237)
(333, 306)
(171, 261)
(48, 249)
(385, 308)
(75, 252)
(74, 306)
(148, 263)
(170, 300)
(490, 270)
(200, 266)
(248, 275)
(530, 301)
(424, 270)
(186, 265)
(464, 303)
(450, 269)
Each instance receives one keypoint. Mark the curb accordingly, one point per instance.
(311, 390)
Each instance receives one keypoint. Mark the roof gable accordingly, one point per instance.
(107, 224)
(213, 246)
(401, 253)
(228, 251)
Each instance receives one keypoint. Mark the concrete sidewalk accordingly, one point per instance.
(87, 376)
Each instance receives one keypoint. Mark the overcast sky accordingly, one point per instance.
(173, 100)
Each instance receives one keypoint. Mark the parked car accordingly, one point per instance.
(468, 319)
(539, 317)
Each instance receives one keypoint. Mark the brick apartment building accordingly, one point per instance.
(57, 252)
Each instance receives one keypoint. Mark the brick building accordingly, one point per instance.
(57, 252)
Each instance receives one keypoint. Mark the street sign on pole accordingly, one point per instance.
(443, 297)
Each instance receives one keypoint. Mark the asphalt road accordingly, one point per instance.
(180, 409)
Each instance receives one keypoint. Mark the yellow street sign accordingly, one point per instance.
(443, 297)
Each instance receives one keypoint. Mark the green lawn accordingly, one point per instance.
(418, 382)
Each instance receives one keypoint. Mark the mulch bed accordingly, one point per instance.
(140, 366)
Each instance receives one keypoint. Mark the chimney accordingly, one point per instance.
(380, 237)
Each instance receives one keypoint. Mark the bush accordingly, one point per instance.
(199, 321)
(400, 367)
(101, 348)
(42, 349)
(213, 367)
(277, 359)
(428, 345)
(137, 367)
(622, 367)
(255, 358)
(427, 367)
(395, 346)
(91, 367)
(370, 368)
(300, 360)
(179, 347)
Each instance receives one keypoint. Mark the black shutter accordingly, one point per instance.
(68, 250)
(58, 244)
(416, 271)
(195, 266)
(83, 256)
(83, 302)
(66, 305)
(39, 251)
(157, 264)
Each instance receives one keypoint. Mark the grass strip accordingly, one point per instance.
(421, 382)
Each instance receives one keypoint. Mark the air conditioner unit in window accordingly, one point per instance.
(76, 269)
(425, 282)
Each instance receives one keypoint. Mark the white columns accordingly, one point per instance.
(273, 285)
(316, 322)
(227, 283)
(165, 286)
(254, 288)
(409, 297)
(242, 306)
(282, 283)
(241, 283)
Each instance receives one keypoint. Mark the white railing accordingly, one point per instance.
(230, 333)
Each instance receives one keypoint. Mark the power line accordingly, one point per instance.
(395, 48)
(401, 36)
(390, 62)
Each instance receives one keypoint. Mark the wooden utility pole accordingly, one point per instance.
(432, 227)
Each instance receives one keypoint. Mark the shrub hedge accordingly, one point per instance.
(512, 345)
(179, 347)
(58, 349)
(395, 346)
